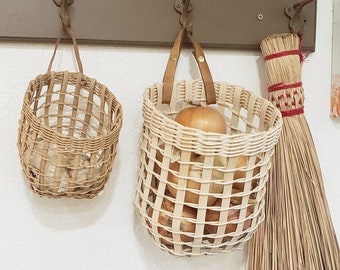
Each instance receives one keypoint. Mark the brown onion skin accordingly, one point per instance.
(212, 215)
(209, 120)
(238, 174)
(166, 220)
(203, 118)
(241, 162)
(191, 197)
(206, 119)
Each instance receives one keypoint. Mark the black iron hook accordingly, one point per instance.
(184, 7)
(293, 11)
(64, 11)
(59, 2)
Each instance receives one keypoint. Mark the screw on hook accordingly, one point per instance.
(179, 5)
(260, 16)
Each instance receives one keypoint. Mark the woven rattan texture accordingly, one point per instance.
(68, 134)
(198, 192)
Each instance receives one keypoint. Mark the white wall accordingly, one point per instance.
(104, 233)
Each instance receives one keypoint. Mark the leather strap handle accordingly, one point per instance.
(169, 75)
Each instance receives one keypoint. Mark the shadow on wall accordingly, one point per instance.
(336, 122)
(262, 77)
(68, 213)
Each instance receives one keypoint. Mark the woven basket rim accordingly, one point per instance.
(62, 139)
(241, 136)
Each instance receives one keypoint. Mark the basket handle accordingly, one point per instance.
(169, 74)
(66, 27)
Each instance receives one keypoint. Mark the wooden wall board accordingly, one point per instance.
(217, 23)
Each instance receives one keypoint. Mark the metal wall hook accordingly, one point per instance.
(64, 12)
(59, 2)
(179, 5)
(184, 7)
(293, 12)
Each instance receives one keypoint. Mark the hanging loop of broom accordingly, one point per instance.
(297, 232)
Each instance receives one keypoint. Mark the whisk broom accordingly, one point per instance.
(297, 232)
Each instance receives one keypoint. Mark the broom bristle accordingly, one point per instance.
(297, 232)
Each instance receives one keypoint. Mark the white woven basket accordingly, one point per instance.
(192, 228)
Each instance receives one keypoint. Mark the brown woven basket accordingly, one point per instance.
(68, 133)
(217, 202)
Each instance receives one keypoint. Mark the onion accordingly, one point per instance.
(203, 118)
(206, 119)
(233, 214)
(214, 188)
(166, 220)
(196, 173)
(239, 174)
(209, 120)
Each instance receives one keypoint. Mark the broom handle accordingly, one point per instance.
(169, 75)
(66, 27)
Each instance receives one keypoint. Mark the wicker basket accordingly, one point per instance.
(225, 174)
(68, 133)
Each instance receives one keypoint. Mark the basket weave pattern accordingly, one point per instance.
(227, 197)
(68, 134)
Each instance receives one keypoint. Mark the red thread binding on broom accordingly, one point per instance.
(281, 86)
(284, 53)
(292, 112)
